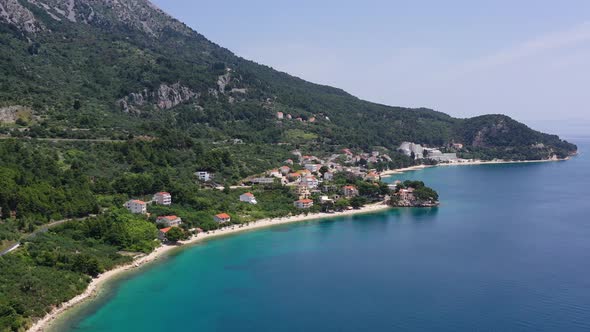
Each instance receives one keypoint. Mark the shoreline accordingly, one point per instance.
(96, 284)
(389, 173)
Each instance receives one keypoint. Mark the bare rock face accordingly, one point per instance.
(12, 12)
(12, 113)
(494, 130)
(137, 14)
(164, 98)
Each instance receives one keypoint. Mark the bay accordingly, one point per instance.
(508, 250)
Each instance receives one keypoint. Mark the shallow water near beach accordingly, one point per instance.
(508, 250)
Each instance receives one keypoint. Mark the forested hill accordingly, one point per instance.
(115, 68)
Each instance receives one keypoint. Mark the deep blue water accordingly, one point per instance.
(508, 250)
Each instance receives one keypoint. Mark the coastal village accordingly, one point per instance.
(339, 182)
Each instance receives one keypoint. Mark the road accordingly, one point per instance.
(43, 229)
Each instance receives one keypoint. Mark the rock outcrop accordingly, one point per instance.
(12, 12)
(164, 98)
(12, 113)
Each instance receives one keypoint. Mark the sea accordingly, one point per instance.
(507, 250)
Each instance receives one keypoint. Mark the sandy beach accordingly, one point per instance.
(389, 173)
(94, 286)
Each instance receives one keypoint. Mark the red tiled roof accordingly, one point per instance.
(165, 230)
(223, 216)
(249, 194)
(305, 200)
(163, 193)
(138, 201)
(168, 217)
(349, 187)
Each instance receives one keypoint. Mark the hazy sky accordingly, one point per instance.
(529, 59)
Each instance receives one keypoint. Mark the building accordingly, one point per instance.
(294, 176)
(373, 176)
(275, 173)
(289, 162)
(248, 198)
(136, 206)
(326, 200)
(350, 191)
(280, 115)
(289, 116)
(329, 176)
(169, 221)
(163, 198)
(312, 167)
(162, 233)
(302, 191)
(203, 176)
(285, 170)
(303, 203)
(310, 181)
(222, 218)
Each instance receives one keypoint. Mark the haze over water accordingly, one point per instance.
(508, 250)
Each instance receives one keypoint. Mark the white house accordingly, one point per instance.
(136, 206)
(329, 176)
(285, 170)
(248, 198)
(303, 203)
(275, 173)
(263, 180)
(163, 198)
(203, 176)
(310, 181)
(222, 218)
(312, 167)
(169, 221)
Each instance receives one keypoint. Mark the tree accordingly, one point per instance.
(324, 169)
(358, 202)
(175, 234)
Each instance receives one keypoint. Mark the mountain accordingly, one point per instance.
(114, 68)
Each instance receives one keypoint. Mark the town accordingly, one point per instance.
(338, 182)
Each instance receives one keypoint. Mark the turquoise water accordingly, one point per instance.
(508, 250)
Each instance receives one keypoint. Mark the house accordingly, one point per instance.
(169, 221)
(302, 191)
(203, 176)
(275, 173)
(310, 181)
(303, 203)
(248, 198)
(136, 206)
(288, 162)
(162, 233)
(280, 115)
(289, 116)
(222, 218)
(326, 200)
(312, 167)
(294, 176)
(312, 119)
(329, 176)
(304, 172)
(285, 170)
(162, 198)
(373, 176)
(350, 191)
(458, 146)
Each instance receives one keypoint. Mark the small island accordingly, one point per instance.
(413, 194)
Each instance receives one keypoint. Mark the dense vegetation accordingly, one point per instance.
(72, 81)
(74, 76)
(55, 266)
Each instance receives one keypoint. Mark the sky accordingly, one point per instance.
(529, 59)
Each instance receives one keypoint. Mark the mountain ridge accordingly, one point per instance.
(112, 60)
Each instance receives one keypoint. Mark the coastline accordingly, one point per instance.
(388, 173)
(95, 285)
